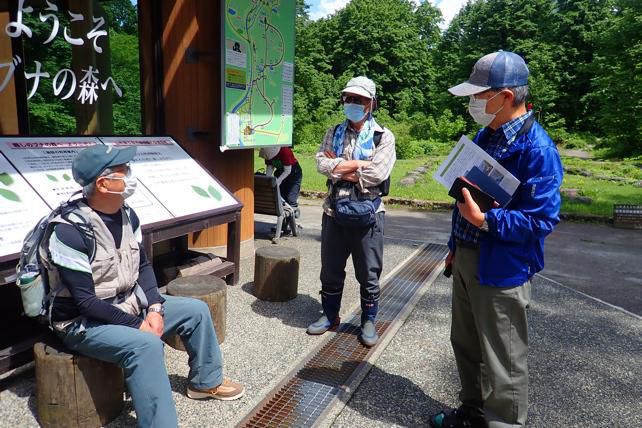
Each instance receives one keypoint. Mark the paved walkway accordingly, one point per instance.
(585, 360)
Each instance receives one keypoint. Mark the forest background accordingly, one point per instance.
(585, 58)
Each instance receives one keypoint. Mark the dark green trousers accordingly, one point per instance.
(489, 335)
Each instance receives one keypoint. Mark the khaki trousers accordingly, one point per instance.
(489, 336)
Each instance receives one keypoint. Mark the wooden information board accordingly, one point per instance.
(35, 177)
(175, 196)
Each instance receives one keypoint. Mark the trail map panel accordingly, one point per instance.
(258, 73)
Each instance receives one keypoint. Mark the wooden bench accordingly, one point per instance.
(267, 200)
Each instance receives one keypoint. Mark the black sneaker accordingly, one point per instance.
(456, 418)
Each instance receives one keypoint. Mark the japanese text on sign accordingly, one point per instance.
(64, 82)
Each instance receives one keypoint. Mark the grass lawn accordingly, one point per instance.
(603, 192)
(605, 182)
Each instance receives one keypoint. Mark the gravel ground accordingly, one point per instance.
(585, 365)
(585, 356)
(264, 340)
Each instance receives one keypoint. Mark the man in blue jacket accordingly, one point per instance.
(494, 255)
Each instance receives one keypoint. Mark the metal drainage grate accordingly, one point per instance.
(300, 400)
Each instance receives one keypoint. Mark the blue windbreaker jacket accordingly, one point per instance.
(513, 249)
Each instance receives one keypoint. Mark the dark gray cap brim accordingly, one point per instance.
(123, 156)
(467, 89)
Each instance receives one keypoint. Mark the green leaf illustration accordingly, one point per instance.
(8, 194)
(200, 191)
(66, 177)
(51, 177)
(215, 193)
(6, 179)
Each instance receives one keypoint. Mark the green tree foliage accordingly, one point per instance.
(616, 99)
(48, 114)
(381, 38)
(315, 88)
(387, 40)
(125, 70)
(521, 26)
(121, 16)
(585, 58)
(573, 27)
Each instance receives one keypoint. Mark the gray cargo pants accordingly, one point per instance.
(489, 336)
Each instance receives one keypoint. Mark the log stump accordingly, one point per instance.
(209, 289)
(276, 273)
(74, 390)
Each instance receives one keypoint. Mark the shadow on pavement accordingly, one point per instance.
(397, 400)
(298, 312)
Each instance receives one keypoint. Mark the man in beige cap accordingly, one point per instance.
(357, 156)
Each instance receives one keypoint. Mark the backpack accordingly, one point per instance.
(32, 276)
(384, 186)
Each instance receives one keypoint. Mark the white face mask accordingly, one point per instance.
(130, 185)
(477, 109)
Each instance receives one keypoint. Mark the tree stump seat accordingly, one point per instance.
(74, 390)
(209, 289)
(276, 273)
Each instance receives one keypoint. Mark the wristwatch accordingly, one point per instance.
(157, 307)
(484, 226)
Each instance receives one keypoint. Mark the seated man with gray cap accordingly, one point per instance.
(107, 305)
(495, 254)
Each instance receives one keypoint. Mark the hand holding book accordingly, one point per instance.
(481, 198)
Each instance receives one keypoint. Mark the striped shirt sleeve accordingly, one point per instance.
(326, 165)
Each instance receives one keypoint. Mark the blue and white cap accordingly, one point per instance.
(497, 70)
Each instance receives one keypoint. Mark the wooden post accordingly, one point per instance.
(74, 390)
(9, 119)
(91, 117)
(276, 273)
(209, 289)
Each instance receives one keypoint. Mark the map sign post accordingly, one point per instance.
(258, 73)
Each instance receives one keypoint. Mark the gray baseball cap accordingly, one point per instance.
(89, 163)
(497, 70)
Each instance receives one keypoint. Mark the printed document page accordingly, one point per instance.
(467, 155)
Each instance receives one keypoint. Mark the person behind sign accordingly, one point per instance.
(357, 156)
(281, 162)
(494, 255)
(109, 307)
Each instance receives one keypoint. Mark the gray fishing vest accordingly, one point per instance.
(114, 270)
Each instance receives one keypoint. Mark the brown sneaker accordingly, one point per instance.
(226, 391)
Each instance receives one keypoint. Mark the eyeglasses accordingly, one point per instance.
(355, 99)
(488, 91)
(127, 173)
